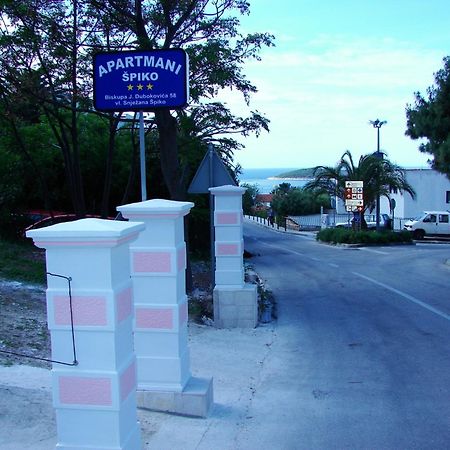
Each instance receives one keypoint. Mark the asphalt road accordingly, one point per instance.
(361, 359)
(358, 359)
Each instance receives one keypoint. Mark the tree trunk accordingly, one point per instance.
(133, 167)
(80, 209)
(170, 164)
(113, 122)
(171, 169)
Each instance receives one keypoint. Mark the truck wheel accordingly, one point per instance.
(418, 234)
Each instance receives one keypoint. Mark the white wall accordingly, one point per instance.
(431, 188)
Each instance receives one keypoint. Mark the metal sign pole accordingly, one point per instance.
(142, 156)
(211, 215)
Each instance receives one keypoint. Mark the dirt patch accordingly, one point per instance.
(200, 300)
(23, 318)
(23, 324)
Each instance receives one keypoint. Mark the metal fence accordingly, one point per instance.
(318, 221)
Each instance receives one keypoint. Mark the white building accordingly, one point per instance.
(432, 193)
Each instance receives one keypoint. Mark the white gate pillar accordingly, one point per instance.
(235, 302)
(158, 263)
(95, 399)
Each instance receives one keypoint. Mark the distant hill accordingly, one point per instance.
(299, 173)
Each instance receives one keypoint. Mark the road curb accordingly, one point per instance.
(386, 244)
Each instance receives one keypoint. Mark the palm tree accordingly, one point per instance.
(380, 176)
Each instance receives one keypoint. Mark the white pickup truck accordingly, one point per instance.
(429, 223)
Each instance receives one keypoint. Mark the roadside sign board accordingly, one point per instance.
(354, 184)
(354, 202)
(354, 196)
(210, 173)
(351, 208)
(141, 80)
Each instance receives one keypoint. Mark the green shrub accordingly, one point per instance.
(20, 260)
(367, 237)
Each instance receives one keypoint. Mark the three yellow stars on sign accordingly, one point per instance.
(140, 87)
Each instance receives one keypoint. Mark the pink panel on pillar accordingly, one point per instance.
(87, 310)
(154, 318)
(183, 313)
(153, 262)
(227, 249)
(230, 218)
(124, 304)
(85, 391)
(128, 381)
(181, 258)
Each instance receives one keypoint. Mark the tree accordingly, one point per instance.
(17, 122)
(208, 31)
(249, 197)
(282, 188)
(380, 176)
(46, 50)
(295, 201)
(41, 42)
(49, 45)
(429, 118)
(11, 189)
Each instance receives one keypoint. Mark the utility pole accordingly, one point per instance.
(378, 124)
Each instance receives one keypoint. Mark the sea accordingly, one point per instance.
(267, 180)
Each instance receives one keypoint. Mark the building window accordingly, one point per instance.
(447, 197)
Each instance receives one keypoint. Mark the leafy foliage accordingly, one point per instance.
(209, 32)
(429, 118)
(57, 153)
(294, 201)
(11, 188)
(22, 262)
(249, 197)
(33, 163)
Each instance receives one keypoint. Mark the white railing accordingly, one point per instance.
(266, 222)
(317, 221)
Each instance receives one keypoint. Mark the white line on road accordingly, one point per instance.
(373, 251)
(280, 248)
(406, 296)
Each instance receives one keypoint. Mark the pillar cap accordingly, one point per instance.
(227, 190)
(156, 207)
(86, 232)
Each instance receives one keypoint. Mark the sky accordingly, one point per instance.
(336, 65)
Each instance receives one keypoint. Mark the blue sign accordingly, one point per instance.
(141, 80)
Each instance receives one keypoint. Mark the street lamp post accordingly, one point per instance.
(378, 124)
